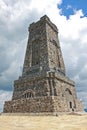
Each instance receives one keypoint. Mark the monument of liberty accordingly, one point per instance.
(43, 86)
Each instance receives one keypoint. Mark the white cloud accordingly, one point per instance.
(15, 19)
(4, 95)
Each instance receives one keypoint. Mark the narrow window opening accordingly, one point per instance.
(70, 104)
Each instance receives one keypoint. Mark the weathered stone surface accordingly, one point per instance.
(43, 86)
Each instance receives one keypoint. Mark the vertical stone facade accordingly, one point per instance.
(43, 86)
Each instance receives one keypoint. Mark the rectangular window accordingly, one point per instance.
(70, 104)
(35, 52)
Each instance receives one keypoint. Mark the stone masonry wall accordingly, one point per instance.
(39, 104)
(58, 100)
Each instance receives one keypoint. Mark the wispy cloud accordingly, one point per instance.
(69, 7)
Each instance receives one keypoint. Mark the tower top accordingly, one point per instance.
(45, 19)
(43, 52)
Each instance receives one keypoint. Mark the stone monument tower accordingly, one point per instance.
(43, 86)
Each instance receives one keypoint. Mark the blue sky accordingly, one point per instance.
(70, 16)
(69, 6)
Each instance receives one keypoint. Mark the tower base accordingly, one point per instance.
(39, 105)
(61, 98)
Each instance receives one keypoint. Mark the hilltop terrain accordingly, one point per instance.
(61, 122)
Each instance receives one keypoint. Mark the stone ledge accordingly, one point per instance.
(44, 114)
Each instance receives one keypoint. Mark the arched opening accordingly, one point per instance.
(70, 99)
(69, 91)
(28, 95)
